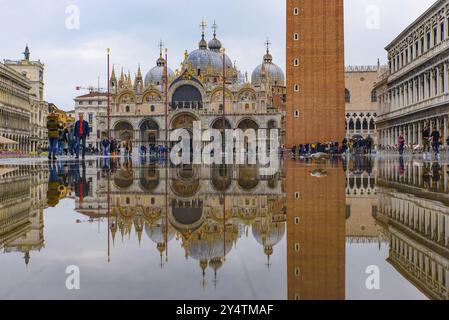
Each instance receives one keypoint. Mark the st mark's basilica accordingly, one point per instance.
(195, 93)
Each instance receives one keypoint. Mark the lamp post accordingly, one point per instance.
(109, 96)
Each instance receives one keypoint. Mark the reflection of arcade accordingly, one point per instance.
(22, 201)
(416, 222)
(195, 212)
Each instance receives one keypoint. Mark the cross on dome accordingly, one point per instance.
(268, 44)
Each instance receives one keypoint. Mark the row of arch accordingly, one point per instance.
(244, 94)
(186, 184)
(361, 123)
(149, 128)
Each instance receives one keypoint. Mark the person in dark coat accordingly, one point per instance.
(82, 132)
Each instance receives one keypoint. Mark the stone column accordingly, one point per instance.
(445, 131)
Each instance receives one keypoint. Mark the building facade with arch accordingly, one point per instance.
(361, 102)
(195, 93)
(14, 108)
(413, 90)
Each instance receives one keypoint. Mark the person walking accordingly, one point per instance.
(105, 143)
(436, 141)
(401, 145)
(82, 131)
(294, 152)
(53, 127)
(71, 140)
(426, 140)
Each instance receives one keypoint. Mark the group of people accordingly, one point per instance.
(358, 146)
(312, 148)
(431, 140)
(68, 140)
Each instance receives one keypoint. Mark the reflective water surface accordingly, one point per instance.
(140, 230)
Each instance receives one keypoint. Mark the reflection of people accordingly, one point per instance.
(82, 131)
(54, 184)
(79, 181)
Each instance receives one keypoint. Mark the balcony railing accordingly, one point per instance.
(421, 59)
(195, 105)
(420, 106)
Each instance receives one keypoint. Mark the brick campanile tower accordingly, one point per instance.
(315, 109)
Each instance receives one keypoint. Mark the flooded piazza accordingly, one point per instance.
(142, 230)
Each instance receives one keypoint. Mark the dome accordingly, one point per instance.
(274, 71)
(203, 249)
(201, 59)
(156, 75)
(269, 235)
(156, 232)
(215, 45)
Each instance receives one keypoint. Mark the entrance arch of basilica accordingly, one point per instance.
(123, 131)
(149, 132)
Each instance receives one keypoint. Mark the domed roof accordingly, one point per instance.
(275, 72)
(268, 235)
(156, 75)
(215, 45)
(202, 59)
(156, 232)
(207, 249)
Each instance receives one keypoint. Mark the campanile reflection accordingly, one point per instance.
(316, 231)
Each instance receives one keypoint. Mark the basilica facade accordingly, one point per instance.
(194, 93)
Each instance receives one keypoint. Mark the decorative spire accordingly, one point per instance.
(268, 57)
(129, 79)
(26, 53)
(161, 48)
(215, 27)
(139, 73)
(113, 77)
(122, 76)
(160, 61)
(203, 25)
(267, 45)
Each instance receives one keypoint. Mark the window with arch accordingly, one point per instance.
(351, 125)
(127, 109)
(347, 96)
(358, 125)
(152, 108)
(373, 96)
(365, 125)
(372, 125)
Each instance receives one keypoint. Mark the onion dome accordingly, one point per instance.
(215, 44)
(268, 234)
(157, 232)
(156, 75)
(209, 62)
(268, 68)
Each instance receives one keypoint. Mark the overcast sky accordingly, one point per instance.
(133, 28)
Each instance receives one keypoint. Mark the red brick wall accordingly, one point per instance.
(320, 74)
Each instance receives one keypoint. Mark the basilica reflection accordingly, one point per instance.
(207, 209)
(310, 216)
